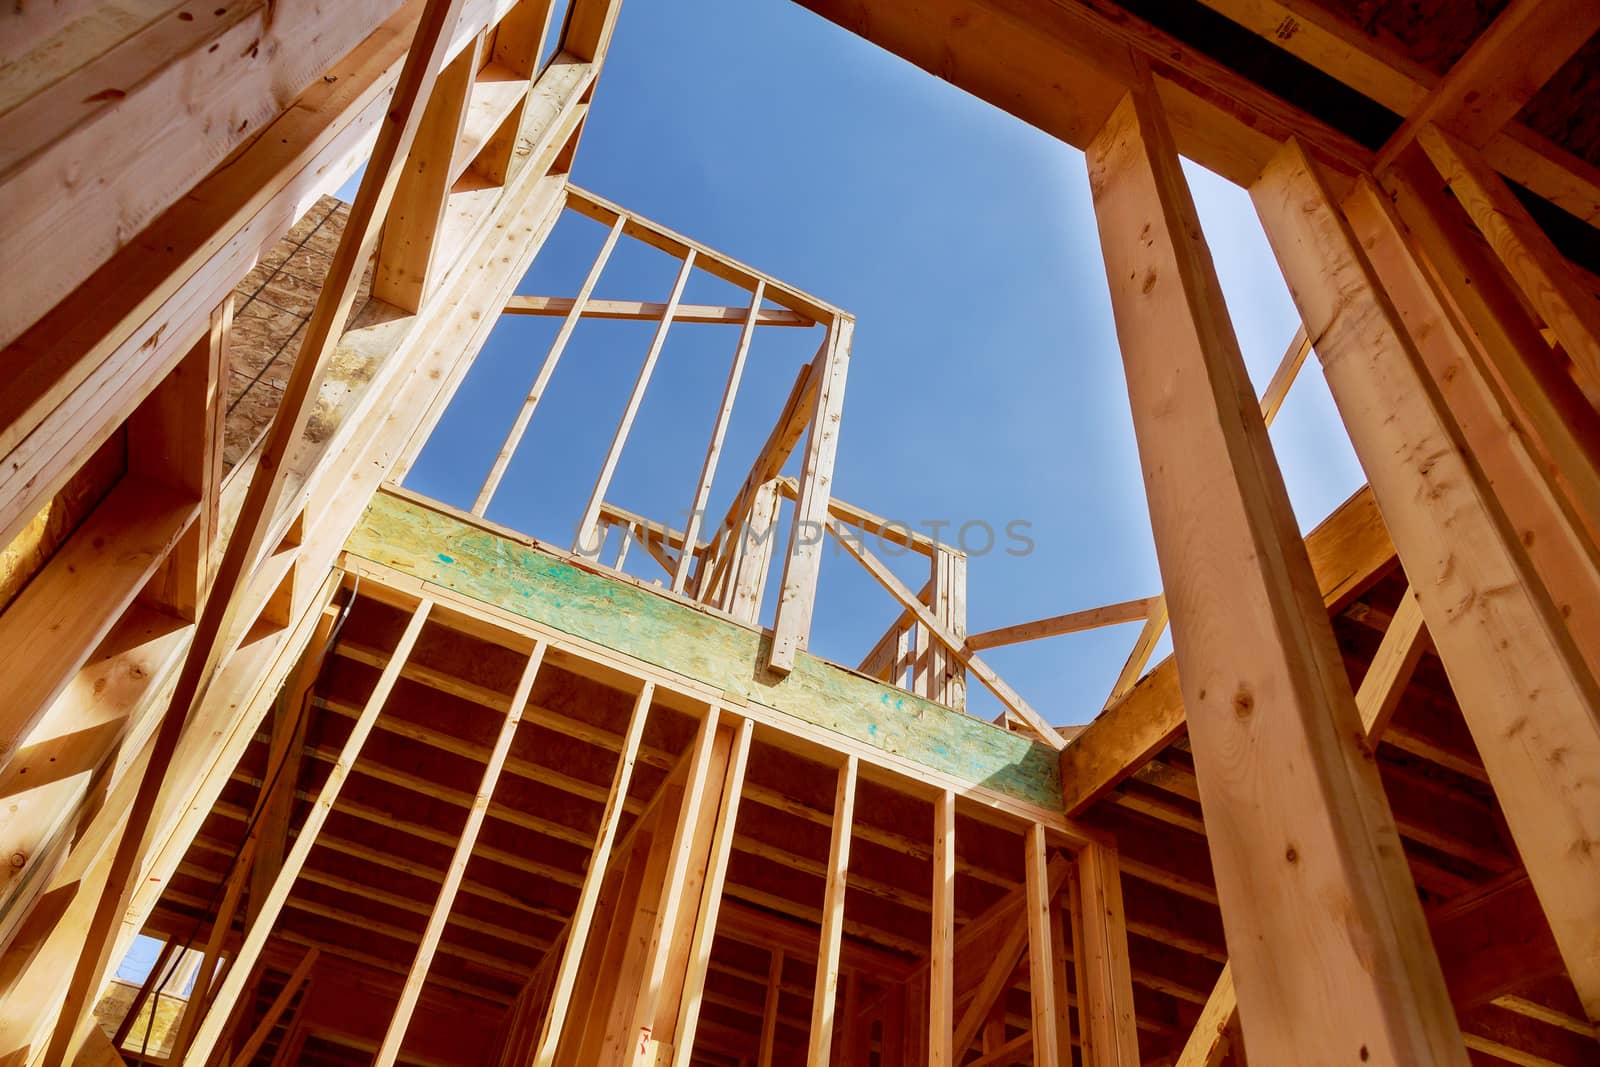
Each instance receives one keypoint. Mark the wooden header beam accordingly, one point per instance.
(640, 309)
(1070, 623)
(1064, 66)
(1527, 43)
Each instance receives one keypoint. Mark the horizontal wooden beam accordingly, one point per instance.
(1064, 66)
(1505, 67)
(1057, 625)
(606, 618)
(652, 312)
(709, 260)
(1350, 550)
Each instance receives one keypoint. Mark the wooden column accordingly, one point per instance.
(941, 954)
(1530, 257)
(405, 268)
(1041, 953)
(1552, 412)
(1532, 706)
(705, 925)
(747, 580)
(686, 878)
(597, 496)
(1105, 990)
(769, 1012)
(792, 625)
(1304, 849)
(827, 983)
(1560, 553)
(594, 879)
(708, 469)
(949, 604)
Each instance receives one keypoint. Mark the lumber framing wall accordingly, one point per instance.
(419, 788)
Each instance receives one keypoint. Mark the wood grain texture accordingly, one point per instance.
(1302, 844)
(1349, 551)
(406, 534)
(1524, 691)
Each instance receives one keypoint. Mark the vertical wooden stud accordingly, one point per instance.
(792, 625)
(541, 382)
(827, 984)
(1531, 704)
(411, 990)
(1229, 548)
(1041, 952)
(594, 879)
(597, 496)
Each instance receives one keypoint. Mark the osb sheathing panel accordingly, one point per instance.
(271, 307)
(1567, 109)
(1435, 33)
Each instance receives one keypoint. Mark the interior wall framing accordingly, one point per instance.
(249, 687)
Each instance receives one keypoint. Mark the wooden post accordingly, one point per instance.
(389, 1050)
(1105, 994)
(1551, 409)
(244, 961)
(1542, 272)
(827, 984)
(578, 930)
(711, 898)
(175, 437)
(1561, 553)
(541, 382)
(1287, 784)
(708, 469)
(949, 597)
(259, 517)
(1060, 974)
(1041, 953)
(798, 590)
(941, 954)
(769, 1013)
(285, 750)
(1531, 705)
(666, 954)
(405, 266)
(1155, 619)
(755, 537)
(597, 497)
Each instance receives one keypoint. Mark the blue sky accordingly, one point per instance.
(985, 383)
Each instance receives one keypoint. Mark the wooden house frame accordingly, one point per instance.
(405, 785)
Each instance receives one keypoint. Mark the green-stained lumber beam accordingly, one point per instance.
(407, 534)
